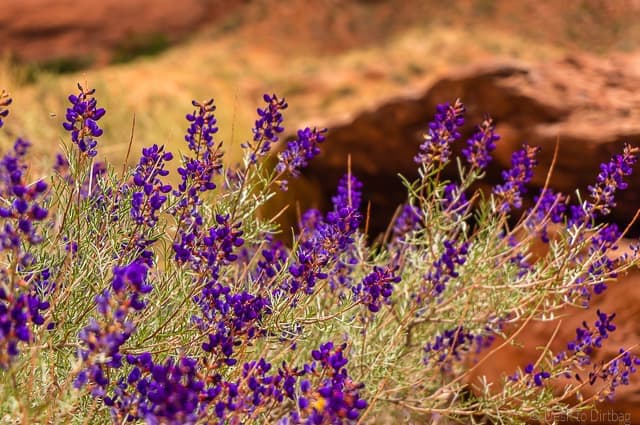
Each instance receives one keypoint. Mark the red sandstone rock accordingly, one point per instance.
(42, 30)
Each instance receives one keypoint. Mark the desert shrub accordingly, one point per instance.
(124, 297)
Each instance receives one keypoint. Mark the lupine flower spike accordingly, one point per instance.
(443, 130)
(82, 121)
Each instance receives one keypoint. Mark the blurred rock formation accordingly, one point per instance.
(589, 104)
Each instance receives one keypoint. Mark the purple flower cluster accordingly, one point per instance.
(443, 130)
(336, 400)
(610, 180)
(581, 348)
(24, 201)
(182, 391)
(453, 344)
(348, 193)
(550, 207)
(274, 257)
(20, 311)
(299, 152)
(267, 127)
(233, 283)
(521, 172)
(376, 287)
(147, 201)
(323, 240)
(207, 251)
(230, 318)
(188, 391)
(103, 337)
(197, 177)
(601, 267)
(409, 219)
(82, 118)
(5, 101)
(531, 377)
(170, 393)
(604, 242)
(21, 300)
(617, 372)
(203, 126)
(307, 270)
(444, 268)
(480, 145)
(579, 352)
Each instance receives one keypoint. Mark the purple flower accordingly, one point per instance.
(267, 127)
(274, 257)
(443, 130)
(521, 172)
(82, 119)
(231, 318)
(149, 198)
(617, 373)
(197, 177)
(601, 266)
(348, 193)
(19, 313)
(376, 287)
(323, 241)
(480, 145)
(453, 344)
(610, 180)
(183, 390)
(444, 268)
(24, 204)
(203, 126)
(228, 317)
(588, 338)
(579, 351)
(208, 251)
(409, 219)
(5, 101)
(171, 392)
(531, 378)
(549, 207)
(336, 398)
(103, 336)
(299, 152)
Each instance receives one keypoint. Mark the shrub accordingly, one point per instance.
(126, 297)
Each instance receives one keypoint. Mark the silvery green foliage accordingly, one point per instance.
(142, 296)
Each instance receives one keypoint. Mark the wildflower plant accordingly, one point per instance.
(128, 297)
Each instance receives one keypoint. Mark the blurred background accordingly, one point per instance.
(371, 71)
